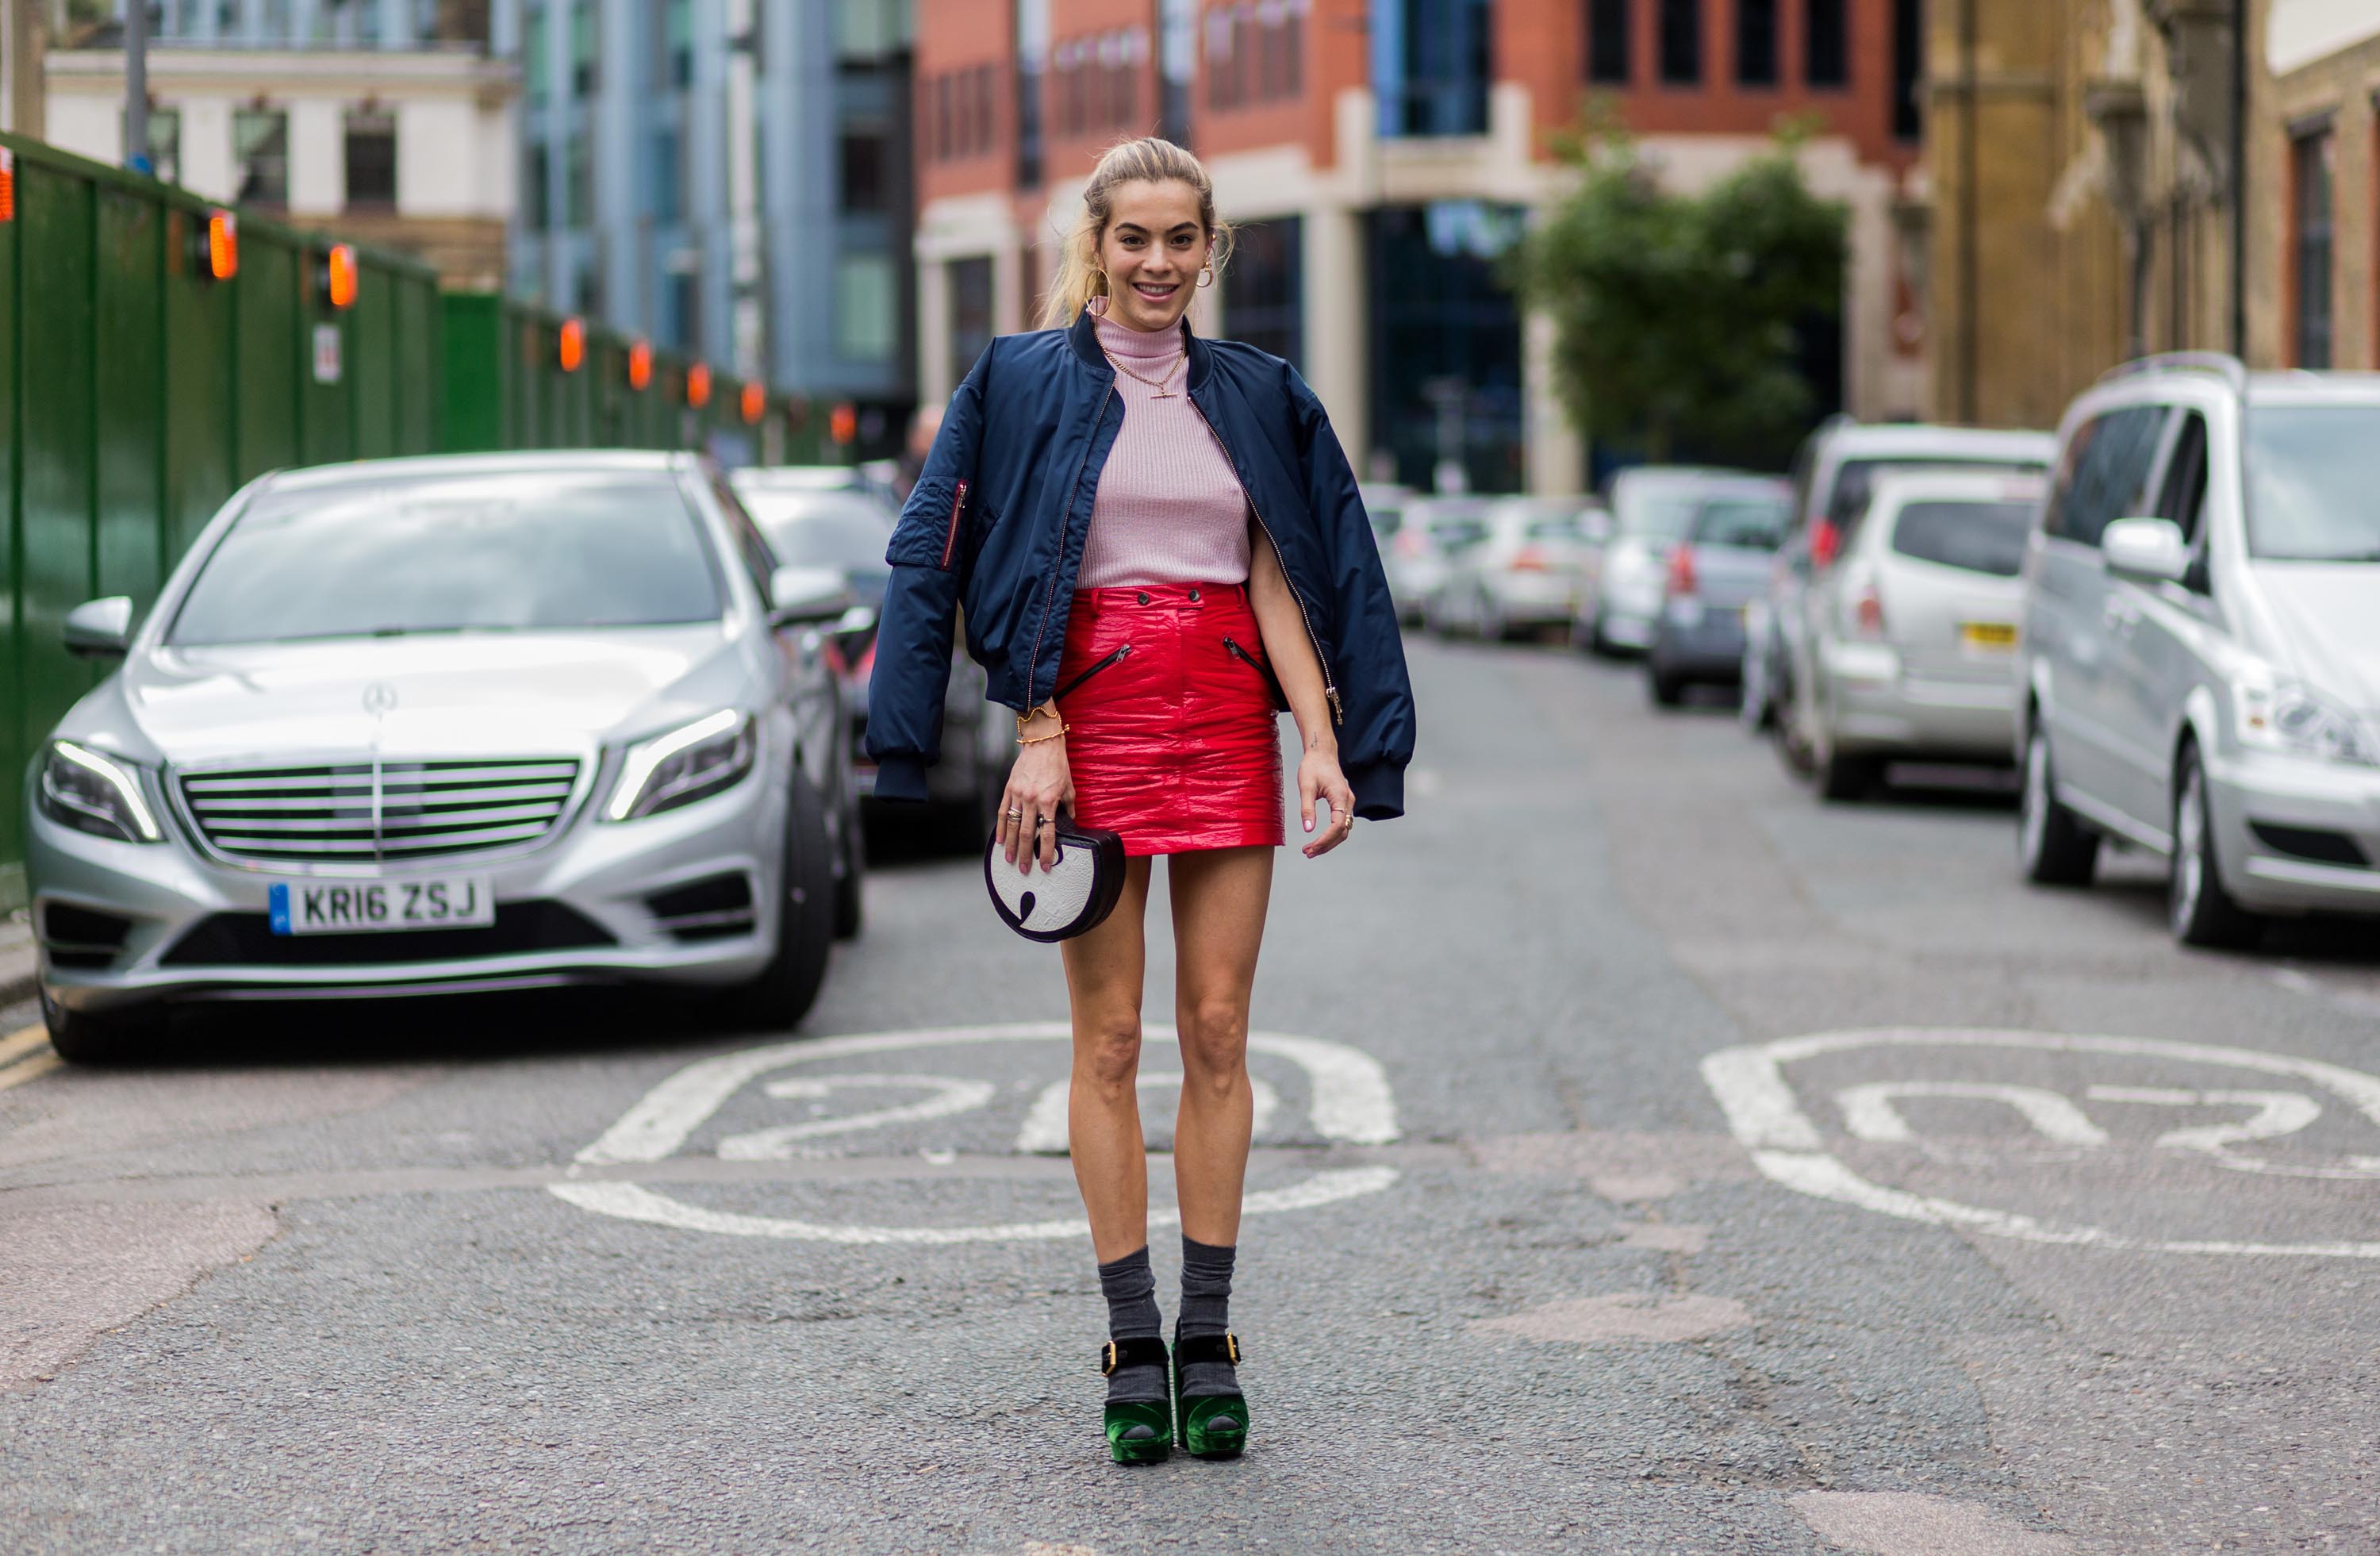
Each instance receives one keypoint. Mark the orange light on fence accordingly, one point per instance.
(222, 245)
(574, 344)
(756, 402)
(8, 184)
(640, 364)
(698, 385)
(844, 425)
(340, 277)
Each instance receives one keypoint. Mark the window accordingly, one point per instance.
(1829, 42)
(684, 329)
(1431, 67)
(2311, 242)
(1681, 41)
(1177, 62)
(986, 78)
(866, 319)
(1446, 343)
(1263, 288)
(164, 144)
(680, 41)
(867, 184)
(1756, 42)
(1032, 64)
(577, 183)
(1255, 52)
(2103, 472)
(1908, 69)
(1973, 537)
(532, 58)
(662, 179)
(2184, 501)
(260, 144)
(970, 284)
(1606, 42)
(943, 139)
(582, 49)
(537, 189)
(372, 161)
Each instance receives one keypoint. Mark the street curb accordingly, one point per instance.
(19, 963)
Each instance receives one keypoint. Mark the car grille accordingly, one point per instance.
(371, 812)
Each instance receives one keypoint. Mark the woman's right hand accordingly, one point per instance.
(1037, 785)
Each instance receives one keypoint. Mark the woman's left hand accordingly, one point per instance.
(1318, 778)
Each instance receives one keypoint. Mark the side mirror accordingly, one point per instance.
(2145, 550)
(805, 596)
(856, 619)
(100, 628)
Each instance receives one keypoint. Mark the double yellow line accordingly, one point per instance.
(26, 1055)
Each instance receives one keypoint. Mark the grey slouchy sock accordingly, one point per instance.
(1131, 1289)
(1205, 1310)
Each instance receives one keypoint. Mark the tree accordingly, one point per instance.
(1679, 319)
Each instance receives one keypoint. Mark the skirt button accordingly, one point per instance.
(1144, 597)
(1193, 597)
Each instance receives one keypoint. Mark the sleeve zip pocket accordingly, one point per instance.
(951, 540)
(1262, 667)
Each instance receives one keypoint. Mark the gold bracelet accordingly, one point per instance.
(1045, 739)
(1029, 715)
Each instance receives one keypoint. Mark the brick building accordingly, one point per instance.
(1380, 155)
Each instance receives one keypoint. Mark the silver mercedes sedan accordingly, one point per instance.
(417, 727)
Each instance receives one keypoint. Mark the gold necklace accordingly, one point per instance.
(1157, 383)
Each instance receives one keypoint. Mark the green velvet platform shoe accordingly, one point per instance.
(1213, 1426)
(1140, 1432)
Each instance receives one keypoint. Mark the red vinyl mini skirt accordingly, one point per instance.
(1171, 735)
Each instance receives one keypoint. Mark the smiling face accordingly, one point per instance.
(1153, 250)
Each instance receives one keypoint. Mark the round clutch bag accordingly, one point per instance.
(1069, 897)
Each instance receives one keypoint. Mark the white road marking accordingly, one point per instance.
(16, 1045)
(1869, 1114)
(1044, 1131)
(32, 1068)
(1913, 1524)
(952, 1095)
(1595, 1320)
(1351, 1105)
(1750, 1085)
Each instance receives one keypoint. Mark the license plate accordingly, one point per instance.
(1987, 634)
(429, 902)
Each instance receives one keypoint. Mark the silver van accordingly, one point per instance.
(2201, 641)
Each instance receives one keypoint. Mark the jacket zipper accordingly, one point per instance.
(1113, 659)
(1272, 682)
(950, 541)
(1330, 687)
(1032, 666)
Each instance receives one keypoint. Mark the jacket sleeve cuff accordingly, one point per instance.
(901, 778)
(1380, 790)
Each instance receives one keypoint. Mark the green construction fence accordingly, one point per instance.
(137, 392)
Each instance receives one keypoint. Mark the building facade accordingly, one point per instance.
(2313, 301)
(729, 177)
(1379, 156)
(393, 120)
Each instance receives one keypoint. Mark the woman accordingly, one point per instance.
(1156, 541)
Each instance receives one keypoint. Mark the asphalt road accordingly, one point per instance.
(2063, 1241)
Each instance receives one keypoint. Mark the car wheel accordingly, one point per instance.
(113, 1037)
(1493, 628)
(851, 888)
(1669, 690)
(1841, 777)
(2057, 849)
(1785, 731)
(788, 986)
(2200, 910)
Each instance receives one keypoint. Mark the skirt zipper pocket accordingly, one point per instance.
(1114, 659)
(1262, 667)
(951, 540)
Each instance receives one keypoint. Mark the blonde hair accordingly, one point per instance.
(1150, 160)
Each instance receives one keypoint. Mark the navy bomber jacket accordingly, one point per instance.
(997, 522)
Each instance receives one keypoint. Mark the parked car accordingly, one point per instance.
(1720, 567)
(2201, 657)
(814, 522)
(1913, 631)
(435, 725)
(1833, 475)
(1520, 571)
(1416, 559)
(1621, 598)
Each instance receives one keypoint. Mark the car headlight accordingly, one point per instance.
(2288, 716)
(96, 793)
(691, 762)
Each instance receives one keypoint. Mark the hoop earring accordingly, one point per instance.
(1206, 277)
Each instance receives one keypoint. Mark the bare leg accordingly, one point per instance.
(1220, 897)
(1103, 981)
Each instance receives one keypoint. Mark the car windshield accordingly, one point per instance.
(1857, 478)
(1974, 537)
(1752, 523)
(556, 550)
(822, 529)
(1657, 513)
(2312, 474)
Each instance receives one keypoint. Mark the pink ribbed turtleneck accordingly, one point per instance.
(1169, 508)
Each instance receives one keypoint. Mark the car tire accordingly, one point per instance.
(1669, 690)
(1493, 628)
(1842, 778)
(850, 890)
(2053, 844)
(2197, 907)
(778, 999)
(113, 1037)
